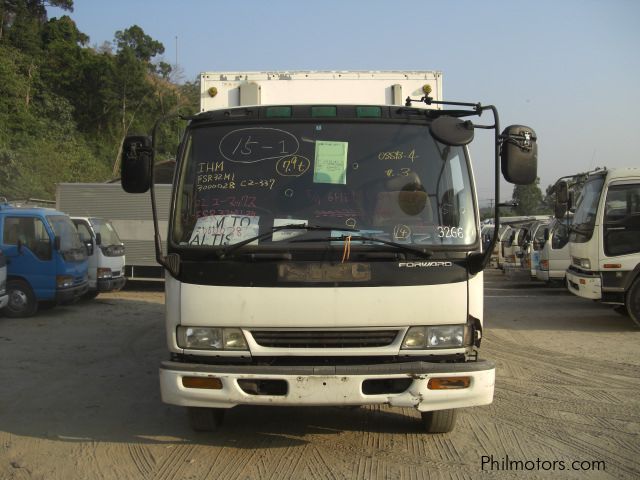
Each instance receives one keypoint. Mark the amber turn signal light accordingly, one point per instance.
(448, 383)
(210, 383)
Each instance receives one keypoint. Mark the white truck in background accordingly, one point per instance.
(106, 254)
(129, 215)
(323, 244)
(604, 239)
(554, 255)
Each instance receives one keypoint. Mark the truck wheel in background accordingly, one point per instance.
(632, 301)
(205, 419)
(22, 300)
(439, 421)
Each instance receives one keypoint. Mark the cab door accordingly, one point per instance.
(29, 252)
(621, 222)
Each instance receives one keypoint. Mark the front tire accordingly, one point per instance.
(632, 301)
(205, 419)
(439, 421)
(22, 300)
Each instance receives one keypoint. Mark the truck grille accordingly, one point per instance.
(324, 338)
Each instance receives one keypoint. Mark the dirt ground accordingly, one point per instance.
(79, 399)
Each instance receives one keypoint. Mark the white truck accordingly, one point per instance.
(604, 240)
(554, 255)
(106, 254)
(325, 249)
(129, 215)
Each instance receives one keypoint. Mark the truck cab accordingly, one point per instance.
(325, 253)
(46, 261)
(554, 255)
(604, 240)
(533, 244)
(106, 254)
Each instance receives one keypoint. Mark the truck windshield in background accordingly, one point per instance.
(387, 180)
(108, 234)
(584, 219)
(70, 245)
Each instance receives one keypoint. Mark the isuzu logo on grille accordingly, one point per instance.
(424, 264)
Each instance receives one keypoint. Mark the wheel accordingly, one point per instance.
(632, 301)
(22, 300)
(439, 421)
(205, 419)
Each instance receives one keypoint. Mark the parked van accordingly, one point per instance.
(504, 234)
(554, 256)
(106, 254)
(533, 244)
(513, 247)
(46, 261)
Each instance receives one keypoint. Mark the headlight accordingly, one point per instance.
(582, 263)
(210, 338)
(64, 281)
(104, 273)
(441, 336)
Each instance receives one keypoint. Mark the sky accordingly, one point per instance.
(569, 69)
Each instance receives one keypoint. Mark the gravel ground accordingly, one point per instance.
(80, 399)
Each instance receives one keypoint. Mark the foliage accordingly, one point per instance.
(529, 199)
(65, 107)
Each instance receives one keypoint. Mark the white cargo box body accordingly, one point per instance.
(232, 89)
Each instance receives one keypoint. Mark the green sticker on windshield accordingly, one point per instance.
(330, 162)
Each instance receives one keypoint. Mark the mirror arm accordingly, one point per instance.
(496, 210)
(160, 258)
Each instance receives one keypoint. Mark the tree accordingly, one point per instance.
(143, 46)
(529, 199)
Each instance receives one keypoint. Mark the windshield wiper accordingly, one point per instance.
(424, 253)
(222, 253)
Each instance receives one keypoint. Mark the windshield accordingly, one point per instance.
(64, 228)
(108, 234)
(584, 219)
(389, 181)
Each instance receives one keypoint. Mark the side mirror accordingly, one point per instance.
(562, 192)
(19, 246)
(562, 199)
(452, 131)
(56, 242)
(98, 239)
(519, 155)
(546, 234)
(89, 246)
(136, 164)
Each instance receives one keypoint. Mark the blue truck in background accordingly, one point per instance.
(46, 260)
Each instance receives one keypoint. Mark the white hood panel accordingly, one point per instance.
(329, 307)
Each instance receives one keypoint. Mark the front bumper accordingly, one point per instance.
(4, 299)
(111, 284)
(330, 385)
(584, 285)
(71, 294)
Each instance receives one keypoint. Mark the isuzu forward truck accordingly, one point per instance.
(604, 239)
(323, 245)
